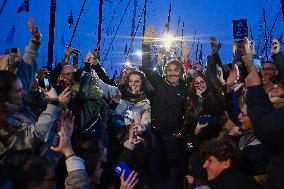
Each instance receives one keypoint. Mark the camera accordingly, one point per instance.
(45, 82)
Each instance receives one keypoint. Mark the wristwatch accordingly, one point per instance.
(54, 102)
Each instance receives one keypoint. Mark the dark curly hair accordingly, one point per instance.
(23, 168)
(221, 149)
(178, 64)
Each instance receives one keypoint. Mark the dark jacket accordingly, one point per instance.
(145, 158)
(168, 101)
(278, 59)
(232, 178)
(269, 129)
(209, 104)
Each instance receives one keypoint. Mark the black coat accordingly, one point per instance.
(168, 101)
(232, 178)
(268, 125)
(146, 159)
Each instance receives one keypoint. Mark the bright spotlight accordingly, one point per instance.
(139, 53)
(168, 40)
(127, 63)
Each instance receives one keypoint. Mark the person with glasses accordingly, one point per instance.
(254, 157)
(204, 119)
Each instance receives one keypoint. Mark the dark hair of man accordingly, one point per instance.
(7, 80)
(269, 62)
(24, 168)
(221, 149)
(178, 64)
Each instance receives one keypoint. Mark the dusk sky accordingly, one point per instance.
(207, 17)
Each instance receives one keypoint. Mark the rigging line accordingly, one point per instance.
(273, 25)
(116, 31)
(3, 6)
(140, 18)
(75, 29)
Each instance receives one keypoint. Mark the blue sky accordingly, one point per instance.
(207, 17)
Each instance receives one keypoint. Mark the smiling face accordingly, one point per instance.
(135, 83)
(214, 167)
(200, 84)
(67, 74)
(172, 74)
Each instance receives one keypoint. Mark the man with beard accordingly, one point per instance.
(167, 111)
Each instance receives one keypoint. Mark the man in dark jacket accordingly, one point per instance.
(167, 108)
(220, 164)
(268, 127)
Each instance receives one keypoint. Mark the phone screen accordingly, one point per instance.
(123, 166)
(46, 83)
(256, 62)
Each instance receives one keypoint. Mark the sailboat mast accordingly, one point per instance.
(51, 34)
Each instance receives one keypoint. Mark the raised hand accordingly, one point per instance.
(68, 54)
(130, 182)
(88, 57)
(36, 35)
(215, 45)
(66, 127)
(65, 96)
(51, 94)
(67, 122)
(219, 75)
(199, 127)
(149, 34)
(186, 50)
(234, 76)
(253, 78)
(4, 62)
(275, 47)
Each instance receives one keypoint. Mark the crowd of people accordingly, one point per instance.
(180, 126)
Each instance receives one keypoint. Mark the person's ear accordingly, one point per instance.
(228, 163)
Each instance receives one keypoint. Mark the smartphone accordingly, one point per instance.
(12, 59)
(211, 120)
(123, 166)
(14, 50)
(256, 62)
(45, 82)
(52, 139)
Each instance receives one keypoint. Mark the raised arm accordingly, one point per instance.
(26, 69)
(266, 121)
(152, 76)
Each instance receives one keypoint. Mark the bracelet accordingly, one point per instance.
(54, 102)
(71, 155)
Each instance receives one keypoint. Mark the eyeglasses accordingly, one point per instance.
(268, 69)
(66, 74)
(199, 83)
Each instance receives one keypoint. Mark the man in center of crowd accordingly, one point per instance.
(167, 111)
